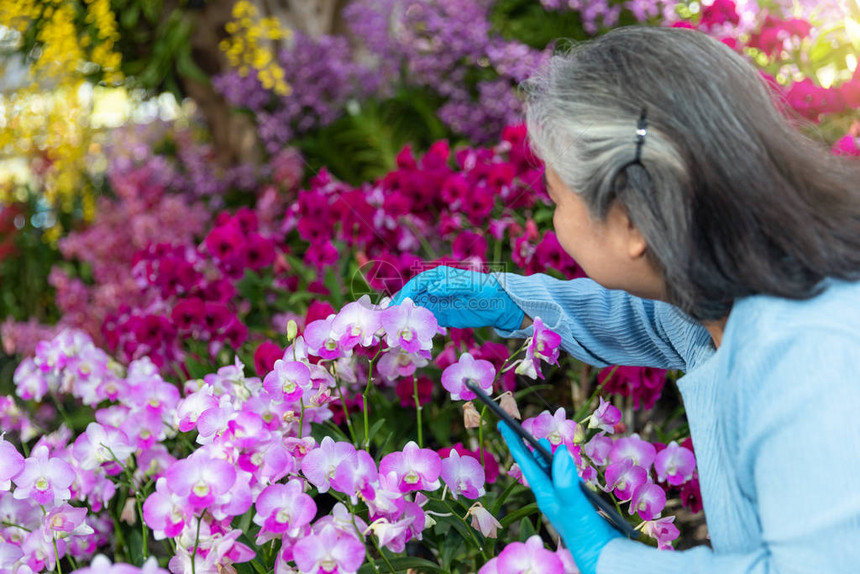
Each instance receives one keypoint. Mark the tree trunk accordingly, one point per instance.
(234, 135)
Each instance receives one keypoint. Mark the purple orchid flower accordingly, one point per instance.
(328, 552)
(463, 475)
(288, 380)
(284, 508)
(44, 479)
(416, 468)
(640, 452)
(624, 478)
(468, 368)
(320, 465)
(409, 327)
(675, 464)
(648, 500)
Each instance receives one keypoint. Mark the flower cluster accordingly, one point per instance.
(630, 468)
(229, 446)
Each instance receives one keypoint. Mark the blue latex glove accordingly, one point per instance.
(584, 532)
(462, 298)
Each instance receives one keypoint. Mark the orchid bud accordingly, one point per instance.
(292, 330)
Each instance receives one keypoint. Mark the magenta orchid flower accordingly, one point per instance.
(103, 446)
(556, 428)
(66, 520)
(468, 368)
(201, 479)
(543, 346)
(523, 558)
(598, 448)
(662, 530)
(44, 479)
(675, 464)
(320, 465)
(355, 476)
(11, 463)
(283, 508)
(463, 475)
(605, 417)
(329, 552)
(624, 478)
(321, 340)
(640, 452)
(165, 512)
(397, 362)
(648, 500)
(288, 380)
(409, 327)
(416, 468)
(190, 408)
(356, 324)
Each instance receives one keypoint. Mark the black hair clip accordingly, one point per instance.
(641, 132)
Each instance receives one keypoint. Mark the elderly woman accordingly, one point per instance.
(719, 241)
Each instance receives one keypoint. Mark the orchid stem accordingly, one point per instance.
(417, 410)
(346, 414)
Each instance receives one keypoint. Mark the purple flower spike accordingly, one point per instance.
(675, 464)
(356, 324)
(328, 552)
(648, 500)
(463, 475)
(288, 380)
(454, 377)
(409, 327)
(284, 508)
(624, 478)
(520, 558)
(415, 468)
(640, 452)
(605, 417)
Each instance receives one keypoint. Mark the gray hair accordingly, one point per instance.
(730, 196)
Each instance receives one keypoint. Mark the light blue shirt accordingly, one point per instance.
(774, 414)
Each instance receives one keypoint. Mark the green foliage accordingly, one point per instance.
(528, 22)
(155, 45)
(364, 143)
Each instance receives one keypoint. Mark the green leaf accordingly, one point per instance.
(527, 529)
(518, 514)
(401, 564)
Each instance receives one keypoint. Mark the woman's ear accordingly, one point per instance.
(630, 240)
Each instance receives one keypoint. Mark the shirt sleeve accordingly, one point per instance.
(798, 462)
(606, 327)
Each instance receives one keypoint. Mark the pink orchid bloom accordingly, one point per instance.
(598, 448)
(320, 465)
(523, 558)
(355, 476)
(45, 479)
(556, 428)
(288, 380)
(321, 339)
(11, 463)
(356, 324)
(463, 475)
(640, 452)
(329, 552)
(165, 512)
(409, 327)
(416, 468)
(662, 530)
(467, 368)
(201, 479)
(648, 500)
(483, 521)
(624, 478)
(605, 417)
(284, 508)
(675, 464)
(103, 446)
